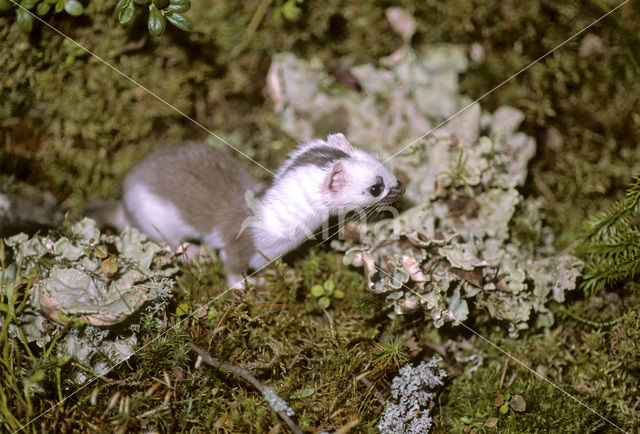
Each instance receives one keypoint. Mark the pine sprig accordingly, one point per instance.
(610, 245)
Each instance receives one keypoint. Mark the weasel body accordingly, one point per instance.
(193, 191)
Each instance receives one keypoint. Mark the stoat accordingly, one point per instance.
(192, 191)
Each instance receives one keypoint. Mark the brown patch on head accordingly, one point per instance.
(321, 156)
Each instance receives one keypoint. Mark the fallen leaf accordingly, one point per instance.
(491, 422)
(109, 266)
(517, 403)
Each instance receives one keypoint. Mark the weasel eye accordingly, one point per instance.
(376, 189)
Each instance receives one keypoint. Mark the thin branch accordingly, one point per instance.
(277, 404)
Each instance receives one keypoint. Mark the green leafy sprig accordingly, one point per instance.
(610, 246)
(160, 11)
(42, 8)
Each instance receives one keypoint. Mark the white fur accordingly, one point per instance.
(157, 216)
(214, 239)
(299, 200)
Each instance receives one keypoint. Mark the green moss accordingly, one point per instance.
(73, 126)
(469, 403)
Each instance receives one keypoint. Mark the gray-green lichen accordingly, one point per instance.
(455, 246)
(101, 280)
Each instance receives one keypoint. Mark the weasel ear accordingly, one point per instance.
(335, 179)
(340, 141)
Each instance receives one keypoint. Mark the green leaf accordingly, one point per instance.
(504, 408)
(127, 13)
(101, 251)
(329, 286)
(28, 4)
(5, 5)
(179, 6)
(160, 4)
(317, 291)
(324, 302)
(4, 307)
(117, 12)
(291, 11)
(73, 8)
(338, 294)
(180, 21)
(59, 6)
(466, 420)
(25, 20)
(43, 8)
(303, 393)
(141, 2)
(157, 22)
(182, 309)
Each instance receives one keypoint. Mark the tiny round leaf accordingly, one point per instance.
(160, 4)
(25, 20)
(504, 408)
(109, 266)
(101, 251)
(157, 22)
(517, 403)
(317, 291)
(180, 21)
(74, 8)
(179, 6)
(127, 13)
(43, 8)
(182, 309)
(338, 294)
(329, 286)
(28, 4)
(324, 302)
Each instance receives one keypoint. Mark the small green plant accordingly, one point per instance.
(289, 10)
(324, 293)
(610, 245)
(160, 11)
(390, 352)
(42, 8)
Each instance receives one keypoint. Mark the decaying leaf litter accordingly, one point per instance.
(445, 239)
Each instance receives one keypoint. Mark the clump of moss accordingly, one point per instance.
(596, 365)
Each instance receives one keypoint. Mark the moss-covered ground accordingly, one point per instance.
(72, 126)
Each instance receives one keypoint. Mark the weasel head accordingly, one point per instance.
(359, 180)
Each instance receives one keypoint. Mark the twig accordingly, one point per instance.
(277, 404)
(372, 388)
(504, 372)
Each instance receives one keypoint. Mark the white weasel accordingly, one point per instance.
(194, 192)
